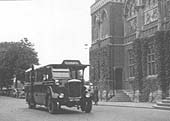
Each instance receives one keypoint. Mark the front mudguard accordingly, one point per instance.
(83, 102)
(88, 98)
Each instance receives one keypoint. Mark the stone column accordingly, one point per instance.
(139, 22)
(159, 15)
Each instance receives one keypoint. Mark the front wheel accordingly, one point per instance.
(88, 106)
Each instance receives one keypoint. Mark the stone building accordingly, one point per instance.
(146, 39)
(130, 47)
(107, 51)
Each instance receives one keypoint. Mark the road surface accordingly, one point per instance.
(12, 109)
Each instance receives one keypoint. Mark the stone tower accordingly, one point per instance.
(107, 51)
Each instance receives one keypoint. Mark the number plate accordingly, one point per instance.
(74, 98)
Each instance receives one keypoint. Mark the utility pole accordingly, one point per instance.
(32, 84)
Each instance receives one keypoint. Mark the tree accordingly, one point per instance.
(15, 58)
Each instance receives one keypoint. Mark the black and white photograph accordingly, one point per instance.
(84, 60)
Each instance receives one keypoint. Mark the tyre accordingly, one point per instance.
(82, 105)
(52, 106)
(88, 106)
(31, 104)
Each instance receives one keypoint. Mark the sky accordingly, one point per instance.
(59, 29)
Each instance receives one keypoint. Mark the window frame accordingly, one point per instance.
(151, 60)
(131, 63)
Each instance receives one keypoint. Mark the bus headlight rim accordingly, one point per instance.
(61, 95)
(88, 95)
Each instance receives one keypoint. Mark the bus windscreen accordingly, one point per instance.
(60, 73)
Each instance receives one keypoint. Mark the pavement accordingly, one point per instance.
(127, 104)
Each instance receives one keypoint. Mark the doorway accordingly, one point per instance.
(118, 79)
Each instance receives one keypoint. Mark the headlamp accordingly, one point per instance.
(61, 95)
(87, 95)
(57, 82)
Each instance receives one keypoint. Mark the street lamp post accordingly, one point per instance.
(114, 80)
(32, 83)
(86, 53)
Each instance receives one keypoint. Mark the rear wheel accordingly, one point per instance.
(52, 106)
(31, 103)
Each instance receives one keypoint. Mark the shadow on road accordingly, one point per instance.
(61, 111)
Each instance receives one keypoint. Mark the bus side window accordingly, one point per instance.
(73, 74)
(36, 75)
(45, 77)
(80, 74)
(29, 74)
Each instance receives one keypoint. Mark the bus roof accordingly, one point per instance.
(74, 64)
(35, 67)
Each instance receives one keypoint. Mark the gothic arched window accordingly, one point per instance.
(94, 20)
(104, 15)
(95, 26)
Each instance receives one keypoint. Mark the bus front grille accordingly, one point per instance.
(74, 89)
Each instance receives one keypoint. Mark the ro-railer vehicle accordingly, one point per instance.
(55, 85)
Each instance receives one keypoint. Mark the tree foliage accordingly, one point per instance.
(15, 58)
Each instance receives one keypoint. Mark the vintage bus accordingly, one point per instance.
(55, 85)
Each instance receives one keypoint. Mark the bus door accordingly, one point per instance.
(43, 94)
(40, 94)
(37, 91)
